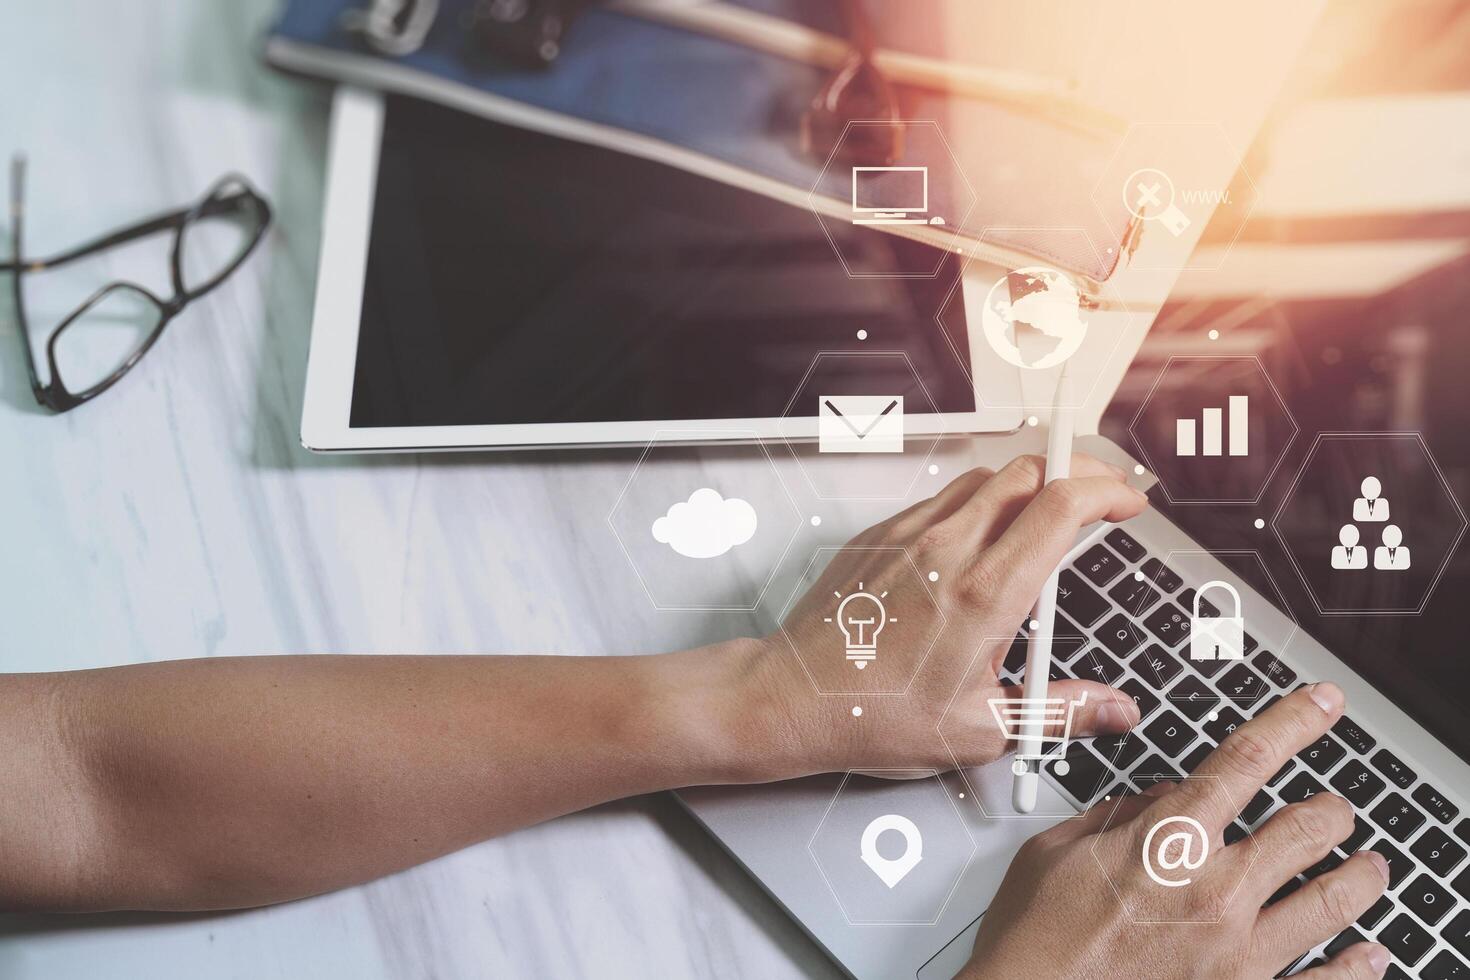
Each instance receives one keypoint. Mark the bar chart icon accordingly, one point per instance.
(1215, 430)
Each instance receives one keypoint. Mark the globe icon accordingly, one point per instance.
(1032, 318)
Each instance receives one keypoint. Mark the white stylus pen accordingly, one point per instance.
(1038, 651)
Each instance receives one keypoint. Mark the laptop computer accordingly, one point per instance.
(1128, 592)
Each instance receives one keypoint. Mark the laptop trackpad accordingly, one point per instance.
(1004, 831)
(952, 958)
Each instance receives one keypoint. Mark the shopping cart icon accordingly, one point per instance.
(1013, 714)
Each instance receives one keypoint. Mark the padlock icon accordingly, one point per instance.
(1217, 637)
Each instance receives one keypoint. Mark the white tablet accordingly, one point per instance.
(487, 286)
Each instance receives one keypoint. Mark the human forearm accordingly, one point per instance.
(242, 781)
(232, 782)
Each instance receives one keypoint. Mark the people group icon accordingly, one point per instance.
(1371, 508)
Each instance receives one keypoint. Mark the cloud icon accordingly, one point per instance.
(706, 525)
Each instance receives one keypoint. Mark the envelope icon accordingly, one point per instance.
(860, 423)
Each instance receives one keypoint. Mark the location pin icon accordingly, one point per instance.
(892, 872)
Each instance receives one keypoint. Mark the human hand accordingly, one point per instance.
(1127, 924)
(990, 540)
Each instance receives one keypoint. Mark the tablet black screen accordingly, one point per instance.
(515, 277)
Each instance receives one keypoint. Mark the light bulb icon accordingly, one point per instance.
(861, 616)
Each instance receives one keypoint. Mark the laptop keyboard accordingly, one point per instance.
(1134, 612)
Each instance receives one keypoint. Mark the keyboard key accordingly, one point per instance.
(1376, 913)
(1357, 784)
(1433, 800)
(1196, 755)
(1289, 888)
(1193, 697)
(1171, 733)
(1457, 932)
(1161, 575)
(1063, 646)
(1425, 898)
(1095, 665)
(1206, 607)
(1462, 830)
(1256, 807)
(1276, 672)
(1242, 685)
(1301, 787)
(1351, 733)
(1399, 864)
(1392, 973)
(1331, 862)
(1348, 937)
(1169, 624)
(1117, 792)
(1226, 721)
(1086, 773)
(1120, 635)
(1322, 754)
(1152, 770)
(1120, 751)
(1124, 545)
(1015, 660)
(1134, 594)
(1397, 817)
(1286, 770)
(1247, 643)
(1156, 666)
(1439, 853)
(1462, 884)
(1078, 599)
(1445, 966)
(1406, 939)
(1099, 565)
(1141, 696)
(1399, 774)
(1234, 833)
(1362, 830)
(1207, 667)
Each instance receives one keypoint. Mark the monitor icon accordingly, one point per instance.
(891, 196)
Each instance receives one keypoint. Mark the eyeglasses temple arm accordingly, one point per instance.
(152, 226)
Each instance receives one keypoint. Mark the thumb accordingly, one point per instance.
(1095, 709)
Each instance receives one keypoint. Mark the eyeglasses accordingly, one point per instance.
(210, 240)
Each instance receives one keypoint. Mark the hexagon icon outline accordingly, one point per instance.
(940, 251)
(802, 587)
(1270, 472)
(1137, 225)
(1109, 775)
(1250, 838)
(683, 443)
(1444, 486)
(1106, 296)
(931, 439)
(1281, 605)
(928, 774)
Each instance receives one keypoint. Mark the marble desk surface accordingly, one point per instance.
(178, 516)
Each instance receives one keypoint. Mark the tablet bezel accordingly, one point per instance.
(352, 167)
